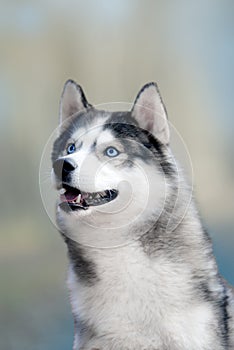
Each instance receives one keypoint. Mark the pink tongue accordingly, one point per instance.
(69, 196)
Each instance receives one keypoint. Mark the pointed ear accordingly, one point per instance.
(72, 101)
(150, 112)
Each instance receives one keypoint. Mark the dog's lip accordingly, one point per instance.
(72, 198)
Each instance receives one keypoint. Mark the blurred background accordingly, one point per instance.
(111, 48)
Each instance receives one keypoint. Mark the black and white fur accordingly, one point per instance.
(141, 275)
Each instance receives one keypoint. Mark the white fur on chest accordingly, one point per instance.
(148, 304)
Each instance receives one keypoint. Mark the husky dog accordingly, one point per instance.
(142, 275)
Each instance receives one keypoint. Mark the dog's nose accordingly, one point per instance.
(62, 167)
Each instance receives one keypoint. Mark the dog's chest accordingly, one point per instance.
(137, 298)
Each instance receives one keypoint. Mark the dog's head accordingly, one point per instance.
(110, 167)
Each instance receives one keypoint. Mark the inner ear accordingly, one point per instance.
(150, 112)
(72, 101)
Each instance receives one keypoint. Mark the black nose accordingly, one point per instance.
(63, 167)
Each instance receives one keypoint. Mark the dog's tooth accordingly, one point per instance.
(78, 198)
(62, 191)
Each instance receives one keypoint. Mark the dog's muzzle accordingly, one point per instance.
(63, 168)
(72, 198)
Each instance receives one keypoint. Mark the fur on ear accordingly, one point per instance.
(72, 101)
(150, 112)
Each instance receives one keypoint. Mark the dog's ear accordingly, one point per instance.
(150, 112)
(72, 101)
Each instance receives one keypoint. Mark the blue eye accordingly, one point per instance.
(71, 148)
(111, 152)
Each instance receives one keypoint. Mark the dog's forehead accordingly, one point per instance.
(94, 132)
(105, 136)
(92, 127)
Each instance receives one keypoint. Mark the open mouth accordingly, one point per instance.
(74, 199)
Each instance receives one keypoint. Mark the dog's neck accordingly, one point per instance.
(111, 286)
